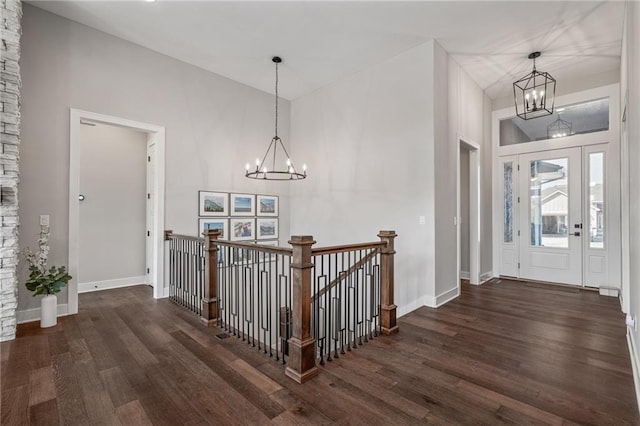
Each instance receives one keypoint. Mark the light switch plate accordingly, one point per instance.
(44, 220)
(422, 220)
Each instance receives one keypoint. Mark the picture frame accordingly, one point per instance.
(243, 205)
(267, 228)
(267, 205)
(214, 223)
(242, 229)
(213, 204)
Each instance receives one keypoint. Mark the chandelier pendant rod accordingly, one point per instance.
(274, 173)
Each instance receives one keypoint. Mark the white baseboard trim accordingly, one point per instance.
(30, 315)
(465, 275)
(442, 298)
(609, 291)
(486, 277)
(109, 284)
(447, 296)
(635, 364)
(404, 310)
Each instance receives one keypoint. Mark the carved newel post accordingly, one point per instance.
(301, 365)
(210, 299)
(388, 308)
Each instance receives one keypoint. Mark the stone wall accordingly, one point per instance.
(10, 32)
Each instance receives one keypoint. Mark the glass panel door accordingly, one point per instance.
(550, 213)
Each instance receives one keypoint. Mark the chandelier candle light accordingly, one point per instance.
(276, 164)
(534, 94)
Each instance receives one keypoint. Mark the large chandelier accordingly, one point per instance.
(534, 94)
(276, 164)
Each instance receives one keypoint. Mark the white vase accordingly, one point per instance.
(48, 311)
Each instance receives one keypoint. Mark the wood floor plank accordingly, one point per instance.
(57, 341)
(115, 382)
(5, 350)
(41, 385)
(97, 401)
(44, 414)
(132, 413)
(14, 406)
(16, 368)
(262, 382)
(68, 393)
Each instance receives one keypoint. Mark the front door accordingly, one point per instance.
(550, 216)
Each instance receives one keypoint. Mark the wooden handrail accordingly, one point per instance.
(347, 247)
(341, 277)
(171, 236)
(281, 250)
(253, 246)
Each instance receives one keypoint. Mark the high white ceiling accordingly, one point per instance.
(322, 42)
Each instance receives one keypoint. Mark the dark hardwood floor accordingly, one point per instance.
(502, 353)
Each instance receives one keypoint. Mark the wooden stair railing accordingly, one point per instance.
(301, 345)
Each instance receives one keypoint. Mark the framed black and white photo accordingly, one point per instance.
(267, 228)
(213, 203)
(267, 205)
(204, 224)
(243, 205)
(243, 229)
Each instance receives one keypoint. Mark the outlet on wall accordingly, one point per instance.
(422, 220)
(44, 220)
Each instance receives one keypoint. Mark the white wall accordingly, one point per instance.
(213, 125)
(369, 142)
(466, 106)
(630, 80)
(384, 144)
(113, 175)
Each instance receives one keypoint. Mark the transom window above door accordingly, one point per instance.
(581, 118)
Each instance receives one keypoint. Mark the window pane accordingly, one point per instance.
(586, 117)
(596, 200)
(508, 202)
(549, 203)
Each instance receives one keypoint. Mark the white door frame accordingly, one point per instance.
(157, 137)
(624, 223)
(474, 209)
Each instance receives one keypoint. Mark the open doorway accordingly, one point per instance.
(468, 211)
(95, 139)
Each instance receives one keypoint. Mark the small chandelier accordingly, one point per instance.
(559, 128)
(534, 94)
(276, 164)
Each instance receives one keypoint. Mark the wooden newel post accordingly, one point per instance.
(210, 298)
(167, 234)
(301, 365)
(388, 308)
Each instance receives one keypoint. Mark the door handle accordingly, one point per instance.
(576, 234)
